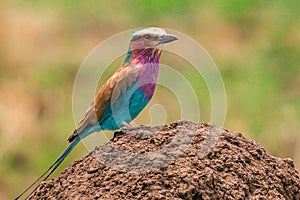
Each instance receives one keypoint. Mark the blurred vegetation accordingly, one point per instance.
(255, 44)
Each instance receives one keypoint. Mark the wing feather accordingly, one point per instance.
(117, 84)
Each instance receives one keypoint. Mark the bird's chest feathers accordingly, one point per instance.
(147, 77)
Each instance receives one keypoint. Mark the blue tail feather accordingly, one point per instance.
(54, 165)
(64, 154)
(61, 158)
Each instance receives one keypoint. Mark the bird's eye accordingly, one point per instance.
(147, 36)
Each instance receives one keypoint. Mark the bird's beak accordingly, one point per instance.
(167, 38)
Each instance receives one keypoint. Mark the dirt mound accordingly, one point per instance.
(184, 160)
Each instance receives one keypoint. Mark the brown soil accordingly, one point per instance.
(183, 160)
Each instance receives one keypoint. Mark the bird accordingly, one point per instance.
(124, 95)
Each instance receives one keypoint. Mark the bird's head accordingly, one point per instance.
(151, 38)
(149, 41)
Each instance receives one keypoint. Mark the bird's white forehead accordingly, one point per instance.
(152, 31)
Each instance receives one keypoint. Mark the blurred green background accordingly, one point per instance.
(255, 44)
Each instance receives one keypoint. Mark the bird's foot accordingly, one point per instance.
(144, 134)
(124, 129)
(127, 127)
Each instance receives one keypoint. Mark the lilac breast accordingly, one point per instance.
(148, 72)
(147, 77)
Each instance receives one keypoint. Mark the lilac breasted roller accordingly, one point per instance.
(125, 94)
